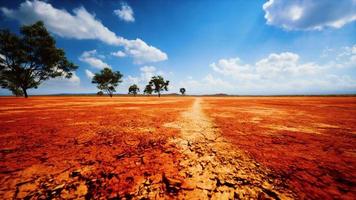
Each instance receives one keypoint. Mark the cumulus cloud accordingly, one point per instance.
(62, 81)
(283, 73)
(348, 56)
(209, 84)
(81, 25)
(74, 79)
(89, 74)
(234, 67)
(92, 58)
(274, 66)
(125, 13)
(217, 83)
(119, 54)
(278, 65)
(344, 57)
(142, 52)
(309, 14)
(147, 72)
(145, 75)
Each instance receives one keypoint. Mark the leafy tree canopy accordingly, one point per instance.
(182, 90)
(133, 89)
(100, 93)
(107, 80)
(159, 84)
(31, 58)
(148, 89)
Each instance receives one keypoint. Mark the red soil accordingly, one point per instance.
(308, 141)
(101, 147)
(94, 146)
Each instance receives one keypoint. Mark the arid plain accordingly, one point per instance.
(177, 147)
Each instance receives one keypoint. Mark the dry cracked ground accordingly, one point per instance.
(211, 168)
(139, 148)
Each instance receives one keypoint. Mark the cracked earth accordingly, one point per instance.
(177, 148)
(211, 168)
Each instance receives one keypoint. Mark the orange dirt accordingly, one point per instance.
(92, 147)
(172, 147)
(307, 141)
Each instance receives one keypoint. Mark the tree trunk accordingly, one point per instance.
(109, 93)
(159, 94)
(25, 92)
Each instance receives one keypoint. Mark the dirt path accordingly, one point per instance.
(212, 168)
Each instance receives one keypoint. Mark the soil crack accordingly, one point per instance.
(213, 169)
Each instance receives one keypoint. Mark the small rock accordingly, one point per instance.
(120, 156)
(82, 189)
(75, 173)
(58, 187)
(207, 185)
(173, 181)
(188, 185)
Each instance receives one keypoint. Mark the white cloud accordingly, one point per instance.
(74, 79)
(147, 72)
(89, 74)
(119, 54)
(142, 52)
(282, 73)
(209, 84)
(91, 57)
(132, 80)
(125, 13)
(309, 14)
(145, 75)
(61, 80)
(344, 57)
(216, 83)
(274, 66)
(234, 68)
(81, 25)
(284, 64)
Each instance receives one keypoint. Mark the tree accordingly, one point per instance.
(159, 84)
(107, 80)
(148, 89)
(182, 90)
(17, 92)
(28, 60)
(133, 89)
(100, 93)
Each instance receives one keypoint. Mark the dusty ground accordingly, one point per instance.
(310, 142)
(72, 147)
(172, 147)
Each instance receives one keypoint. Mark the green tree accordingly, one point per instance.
(17, 92)
(31, 58)
(100, 93)
(182, 90)
(159, 84)
(133, 89)
(148, 89)
(107, 80)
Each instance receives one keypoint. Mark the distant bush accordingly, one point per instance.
(107, 80)
(100, 93)
(133, 89)
(182, 90)
(158, 84)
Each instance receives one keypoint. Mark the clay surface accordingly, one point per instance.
(177, 148)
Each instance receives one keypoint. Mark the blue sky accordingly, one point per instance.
(230, 46)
